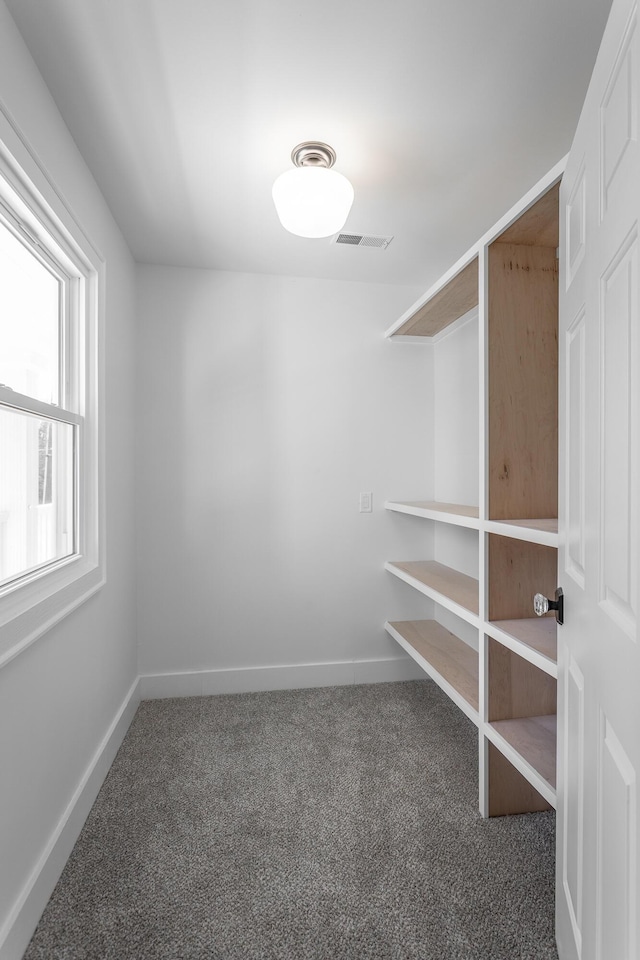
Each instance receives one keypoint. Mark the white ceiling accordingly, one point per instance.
(442, 113)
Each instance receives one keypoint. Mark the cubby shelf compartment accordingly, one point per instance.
(534, 531)
(532, 639)
(451, 589)
(529, 743)
(450, 662)
(458, 514)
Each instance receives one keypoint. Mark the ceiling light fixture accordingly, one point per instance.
(312, 200)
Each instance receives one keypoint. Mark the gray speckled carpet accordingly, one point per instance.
(315, 824)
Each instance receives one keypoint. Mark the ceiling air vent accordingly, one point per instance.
(359, 240)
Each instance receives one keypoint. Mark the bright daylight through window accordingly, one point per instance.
(51, 554)
(37, 490)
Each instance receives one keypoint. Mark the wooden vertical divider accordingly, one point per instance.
(522, 479)
(523, 382)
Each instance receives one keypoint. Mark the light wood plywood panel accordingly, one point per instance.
(516, 687)
(442, 654)
(534, 739)
(438, 581)
(539, 225)
(517, 571)
(523, 382)
(509, 791)
(449, 304)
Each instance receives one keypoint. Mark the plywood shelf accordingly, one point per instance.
(458, 514)
(449, 661)
(445, 306)
(450, 588)
(544, 531)
(529, 743)
(534, 639)
(539, 225)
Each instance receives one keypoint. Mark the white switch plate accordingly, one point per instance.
(366, 502)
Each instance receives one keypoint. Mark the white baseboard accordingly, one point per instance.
(203, 683)
(24, 917)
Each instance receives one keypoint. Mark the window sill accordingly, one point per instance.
(28, 612)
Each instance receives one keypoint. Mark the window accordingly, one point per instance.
(51, 556)
(38, 515)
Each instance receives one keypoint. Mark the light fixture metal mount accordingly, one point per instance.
(312, 153)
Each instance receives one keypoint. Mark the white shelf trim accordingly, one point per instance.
(427, 513)
(505, 528)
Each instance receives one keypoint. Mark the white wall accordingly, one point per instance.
(456, 448)
(266, 405)
(58, 698)
(457, 424)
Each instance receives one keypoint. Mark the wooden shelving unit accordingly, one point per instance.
(507, 687)
(450, 588)
(449, 661)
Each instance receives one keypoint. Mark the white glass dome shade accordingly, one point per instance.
(312, 200)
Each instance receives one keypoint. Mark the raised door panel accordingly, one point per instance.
(575, 227)
(619, 119)
(620, 484)
(616, 896)
(573, 818)
(575, 433)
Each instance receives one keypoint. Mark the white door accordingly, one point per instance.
(599, 645)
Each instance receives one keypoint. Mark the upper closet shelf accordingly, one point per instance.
(451, 589)
(441, 307)
(531, 222)
(538, 226)
(456, 513)
(533, 531)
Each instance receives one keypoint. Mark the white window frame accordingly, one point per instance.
(33, 603)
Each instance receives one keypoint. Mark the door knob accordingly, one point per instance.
(542, 605)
